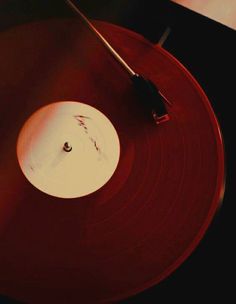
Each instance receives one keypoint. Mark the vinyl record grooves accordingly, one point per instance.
(153, 211)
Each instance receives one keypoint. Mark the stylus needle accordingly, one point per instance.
(146, 89)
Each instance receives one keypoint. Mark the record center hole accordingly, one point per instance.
(67, 147)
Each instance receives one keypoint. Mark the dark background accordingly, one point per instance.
(207, 49)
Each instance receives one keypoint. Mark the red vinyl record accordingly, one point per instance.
(136, 227)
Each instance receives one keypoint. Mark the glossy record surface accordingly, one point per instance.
(147, 219)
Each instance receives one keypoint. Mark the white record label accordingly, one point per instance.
(68, 149)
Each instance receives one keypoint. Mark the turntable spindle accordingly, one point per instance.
(67, 147)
